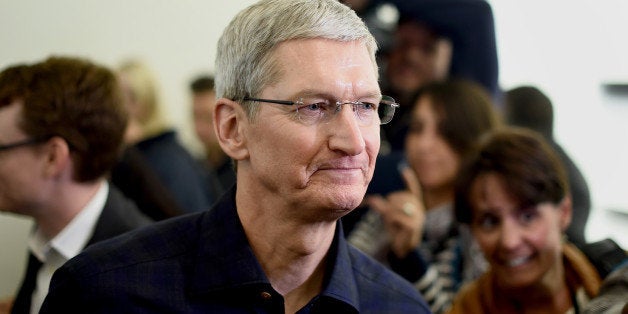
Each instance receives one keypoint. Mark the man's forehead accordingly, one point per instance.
(319, 58)
(304, 50)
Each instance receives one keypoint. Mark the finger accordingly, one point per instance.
(383, 207)
(404, 201)
(412, 182)
(391, 214)
(378, 203)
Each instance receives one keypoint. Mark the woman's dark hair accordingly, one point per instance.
(464, 110)
(530, 169)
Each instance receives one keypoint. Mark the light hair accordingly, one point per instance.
(244, 61)
(145, 91)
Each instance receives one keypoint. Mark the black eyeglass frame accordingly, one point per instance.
(26, 142)
(392, 104)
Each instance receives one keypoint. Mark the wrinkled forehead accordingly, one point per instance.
(318, 63)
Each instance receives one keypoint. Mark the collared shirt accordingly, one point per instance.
(354, 283)
(203, 263)
(68, 243)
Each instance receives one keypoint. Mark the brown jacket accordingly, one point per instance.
(482, 296)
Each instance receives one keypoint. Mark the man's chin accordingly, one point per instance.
(346, 203)
(336, 214)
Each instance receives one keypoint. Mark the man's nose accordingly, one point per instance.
(346, 134)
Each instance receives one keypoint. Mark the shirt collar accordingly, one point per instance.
(226, 260)
(73, 238)
(340, 283)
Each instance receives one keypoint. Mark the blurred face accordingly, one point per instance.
(203, 107)
(428, 153)
(418, 57)
(323, 167)
(134, 132)
(523, 245)
(19, 166)
(133, 107)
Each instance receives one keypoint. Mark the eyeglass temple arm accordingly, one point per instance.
(272, 101)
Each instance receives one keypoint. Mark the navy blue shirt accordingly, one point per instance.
(203, 263)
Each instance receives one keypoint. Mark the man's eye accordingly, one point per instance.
(315, 106)
(365, 109)
(367, 106)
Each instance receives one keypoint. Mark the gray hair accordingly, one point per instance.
(244, 60)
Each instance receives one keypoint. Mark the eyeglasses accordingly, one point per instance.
(30, 141)
(317, 111)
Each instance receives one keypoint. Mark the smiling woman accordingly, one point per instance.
(513, 193)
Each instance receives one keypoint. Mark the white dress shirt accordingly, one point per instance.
(68, 243)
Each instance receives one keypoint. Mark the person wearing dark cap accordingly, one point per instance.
(433, 40)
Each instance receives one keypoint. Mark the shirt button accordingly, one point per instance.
(266, 295)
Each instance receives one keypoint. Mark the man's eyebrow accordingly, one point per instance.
(313, 92)
(320, 93)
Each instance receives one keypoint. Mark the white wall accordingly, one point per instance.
(177, 38)
(570, 49)
(567, 48)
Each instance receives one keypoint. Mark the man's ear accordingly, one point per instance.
(230, 122)
(566, 211)
(57, 157)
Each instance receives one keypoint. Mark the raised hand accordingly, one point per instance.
(403, 214)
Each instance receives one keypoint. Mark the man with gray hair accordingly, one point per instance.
(299, 111)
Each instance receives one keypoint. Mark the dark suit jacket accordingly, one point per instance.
(118, 216)
(203, 263)
(178, 171)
